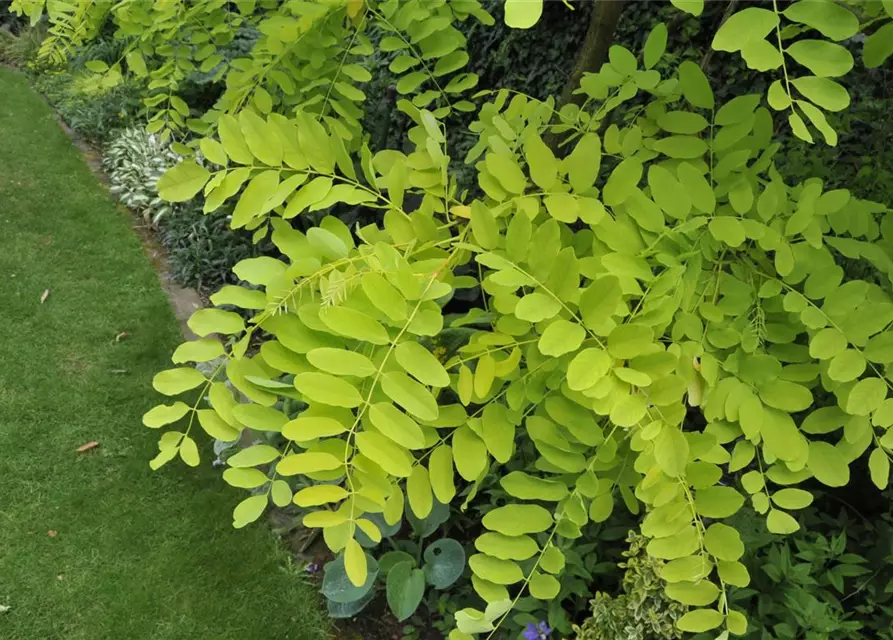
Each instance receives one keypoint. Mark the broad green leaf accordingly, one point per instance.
(384, 296)
(197, 351)
(280, 493)
(164, 414)
(827, 344)
(628, 411)
(483, 226)
(587, 368)
(355, 563)
(305, 428)
(233, 142)
(309, 462)
(829, 18)
(584, 162)
(694, 7)
(824, 59)
(182, 182)
(473, 458)
(827, 464)
(744, 27)
(723, 542)
(341, 362)
(382, 451)
(718, 502)
(410, 395)
(245, 478)
(518, 519)
(847, 365)
(781, 522)
(866, 396)
(671, 451)
(601, 507)
(690, 569)
(599, 301)
(418, 491)
(175, 381)
(253, 201)
(537, 306)
(879, 466)
(622, 181)
(207, 321)
(878, 46)
(684, 147)
(542, 586)
(354, 324)
(440, 473)
(213, 151)
(260, 271)
(507, 172)
(786, 396)
(495, 570)
(695, 86)
(522, 14)
(328, 389)
(498, 432)
(655, 45)
(419, 362)
(560, 337)
(526, 487)
(541, 162)
(630, 340)
(319, 495)
(505, 547)
(249, 510)
(397, 426)
(260, 418)
(253, 456)
(699, 594)
(405, 589)
(791, 499)
(700, 620)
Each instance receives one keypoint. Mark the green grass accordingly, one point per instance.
(139, 555)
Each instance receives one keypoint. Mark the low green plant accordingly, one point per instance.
(643, 611)
(134, 161)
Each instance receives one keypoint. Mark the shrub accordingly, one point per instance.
(655, 323)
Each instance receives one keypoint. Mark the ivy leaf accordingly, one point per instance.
(444, 562)
(182, 182)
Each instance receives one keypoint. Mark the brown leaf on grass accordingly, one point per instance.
(52, 533)
(121, 336)
(86, 447)
(44, 296)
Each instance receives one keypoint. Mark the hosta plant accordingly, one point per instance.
(664, 327)
(134, 161)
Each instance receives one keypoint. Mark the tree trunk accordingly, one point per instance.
(594, 50)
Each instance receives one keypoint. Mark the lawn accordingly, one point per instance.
(95, 545)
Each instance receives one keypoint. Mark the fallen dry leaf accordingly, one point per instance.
(44, 296)
(121, 336)
(52, 533)
(4, 608)
(60, 577)
(87, 446)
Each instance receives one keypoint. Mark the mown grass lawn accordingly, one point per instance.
(96, 546)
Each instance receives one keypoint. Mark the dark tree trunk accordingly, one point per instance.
(594, 50)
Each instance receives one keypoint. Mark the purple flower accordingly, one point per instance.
(311, 568)
(539, 631)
